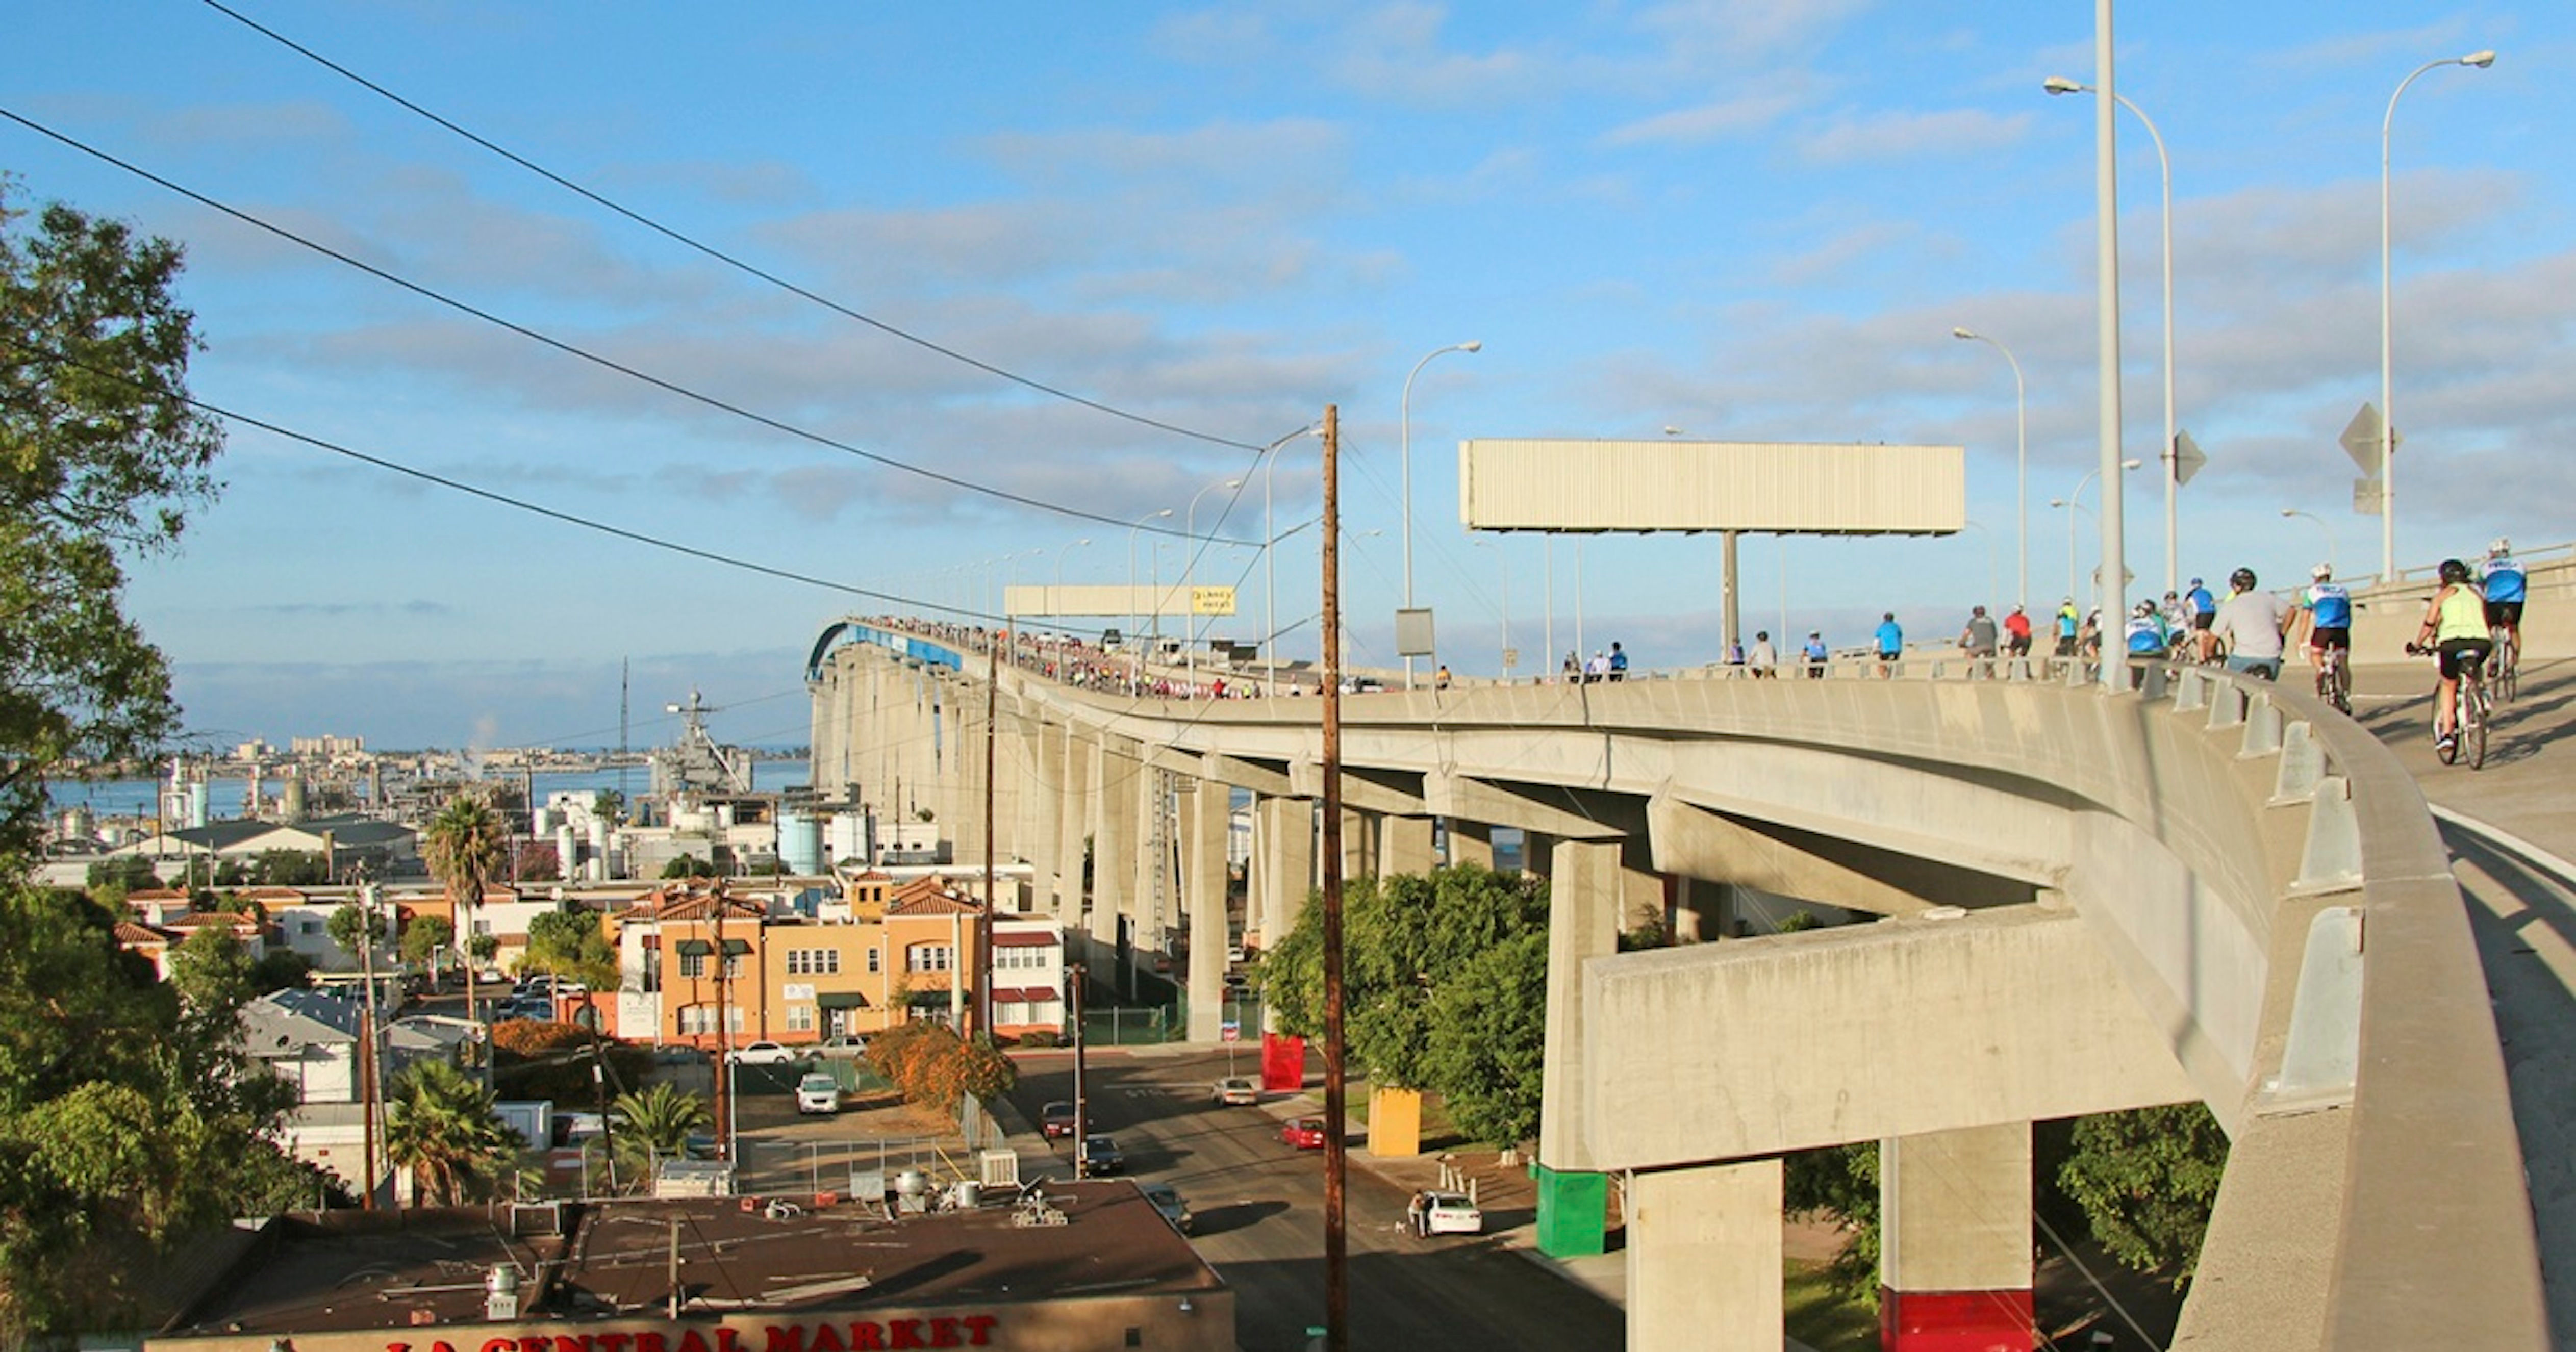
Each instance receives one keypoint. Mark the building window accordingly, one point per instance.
(1018, 959)
(700, 1020)
(800, 1018)
(929, 958)
(693, 965)
(813, 962)
(876, 959)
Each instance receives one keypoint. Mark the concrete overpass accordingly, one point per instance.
(2212, 891)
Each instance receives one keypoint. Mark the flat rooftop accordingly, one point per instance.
(347, 1271)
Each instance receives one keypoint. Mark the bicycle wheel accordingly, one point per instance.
(2338, 677)
(2508, 668)
(2473, 724)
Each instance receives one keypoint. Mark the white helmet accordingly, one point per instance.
(2499, 545)
(2321, 572)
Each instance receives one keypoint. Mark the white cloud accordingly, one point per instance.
(1951, 134)
(1749, 112)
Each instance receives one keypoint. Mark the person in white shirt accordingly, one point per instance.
(1765, 659)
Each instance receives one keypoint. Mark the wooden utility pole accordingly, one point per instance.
(1337, 1289)
(979, 1009)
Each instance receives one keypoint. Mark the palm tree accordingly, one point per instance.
(657, 1122)
(439, 1125)
(464, 846)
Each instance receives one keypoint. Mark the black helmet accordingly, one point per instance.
(2454, 571)
(2242, 579)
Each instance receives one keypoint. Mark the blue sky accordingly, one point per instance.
(1740, 219)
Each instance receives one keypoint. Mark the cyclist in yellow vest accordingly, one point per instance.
(2455, 628)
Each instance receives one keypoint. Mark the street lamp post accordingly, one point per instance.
(1980, 528)
(1055, 601)
(2021, 461)
(1190, 584)
(2059, 84)
(1503, 565)
(1134, 639)
(2387, 376)
(2076, 501)
(2323, 529)
(1404, 436)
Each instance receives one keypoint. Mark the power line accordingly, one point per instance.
(572, 350)
(711, 251)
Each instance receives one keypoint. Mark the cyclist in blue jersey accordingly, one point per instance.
(1891, 643)
(2203, 608)
(2501, 576)
(2325, 610)
(2146, 635)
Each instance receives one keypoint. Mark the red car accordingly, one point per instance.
(1305, 1133)
(1056, 1119)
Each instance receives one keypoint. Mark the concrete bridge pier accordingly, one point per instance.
(1073, 825)
(1582, 923)
(1405, 846)
(1283, 866)
(1470, 843)
(1704, 1258)
(1954, 1241)
(1206, 812)
(1113, 777)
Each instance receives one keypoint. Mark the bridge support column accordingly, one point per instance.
(1206, 813)
(1042, 809)
(1073, 763)
(1283, 872)
(1704, 1258)
(1538, 853)
(1360, 844)
(1470, 843)
(1113, 853)
(1405, 846)
(1582, 923)
(1954, 1262)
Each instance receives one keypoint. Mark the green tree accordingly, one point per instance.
(688, 866)
(426, 941)
(279, 969)
(439, 1125)
(350, 925)
(655, 1122)
(2147, 1179)
(212, 969)
(1840, 1182)
(573, 946)
(130, 1118)
(464, 848)
(122, 874)
(1488, 1037)
(101, 459)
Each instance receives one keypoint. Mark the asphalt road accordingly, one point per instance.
(1259, 1207)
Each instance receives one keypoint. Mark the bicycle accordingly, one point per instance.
(2473, 710)
(2504, 669)
(2334, 678)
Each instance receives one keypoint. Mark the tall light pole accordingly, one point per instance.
(2106, 341)
(2059, 84)
(2076, 501)
(1055, 601)
(1270, 559)
(2021, 459)
(1135, 639)
(2322, 528)
(2387, 376)
(1980, 528)
(1404, 436)
(2072, 507)
(1190, 570)
(1503, 565)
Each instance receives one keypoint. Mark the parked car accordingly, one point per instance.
(1167, 1200)
(1445, 1213)
(1101, 1155)
(1056, 1119)
(841, 1047)
(818, 1093)
(1238, 1089)
(762, 1053)
(1305, 1133)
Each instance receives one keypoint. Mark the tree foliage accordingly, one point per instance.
(928, 1063)
(350, 925)
(1841, 1182)
(101, 458)
(2147, 1180)
(1403, 939)
(464, 847)
(439, 1125)
(1488, 1037)
(655, 1122)
(130, 1118)
(426, 940)
(688, 866)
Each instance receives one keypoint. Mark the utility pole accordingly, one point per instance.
(979, 1010)
(1081, 1101)
(368, 1089)
(1337, 1258)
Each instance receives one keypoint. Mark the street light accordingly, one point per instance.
(1404, 435)
(1133, 638)
(1190, 583)
(1270, 557)
(1980, 528)
(2387, 378)
(2059, 84)
(2021, 459)
(2322, 528)
(2076, 500)
(1503, 563)
(1055, 601)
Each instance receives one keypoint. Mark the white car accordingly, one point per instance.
(1446, 1213)
(818, 1093)
(1238, 1089)
(762, 1053)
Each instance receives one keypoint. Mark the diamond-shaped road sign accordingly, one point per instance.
(2361, 438)
(2187, 458)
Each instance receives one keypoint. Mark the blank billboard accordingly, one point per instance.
(1799, 488)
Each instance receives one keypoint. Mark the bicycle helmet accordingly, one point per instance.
(2321, 572)
(2499, 545)
(2242, 579)
(2454, 572)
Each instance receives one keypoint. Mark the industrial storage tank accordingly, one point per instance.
(800, 841)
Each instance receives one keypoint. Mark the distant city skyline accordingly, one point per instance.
(1732, 220)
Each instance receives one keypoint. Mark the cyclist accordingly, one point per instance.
(2455, 628)
(2204, 613)
(2325, 610)
(2500, 578)
(2251, 623)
